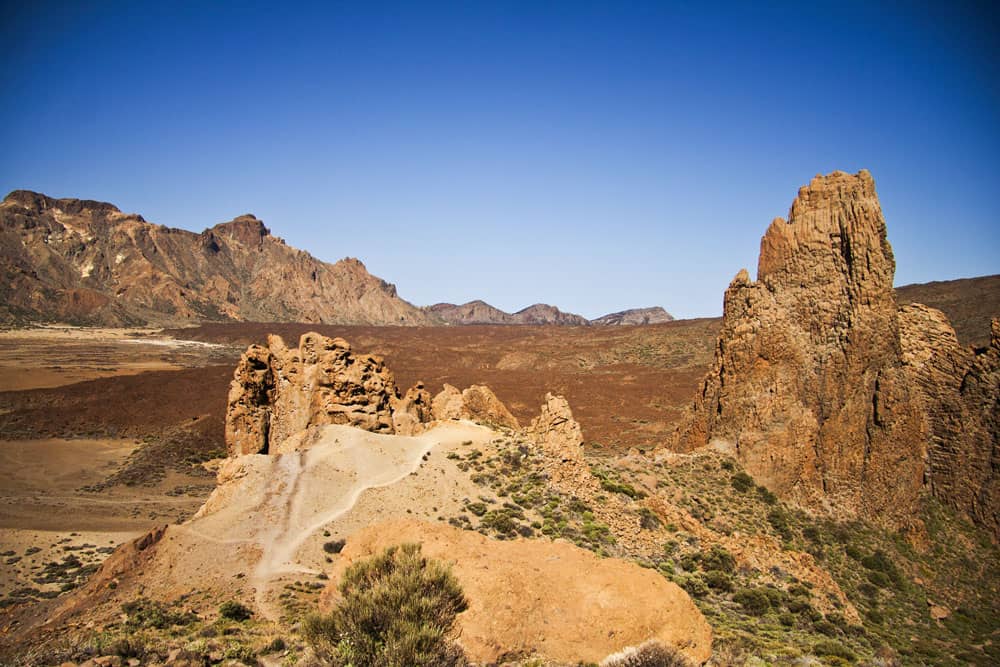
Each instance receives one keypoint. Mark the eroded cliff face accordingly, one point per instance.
(959, 393)
(813, 385)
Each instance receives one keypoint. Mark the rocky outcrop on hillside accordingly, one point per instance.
(969, 303)
(86, 262)
(278, 392)
(811, 387)
(478, 403)
(634, 316)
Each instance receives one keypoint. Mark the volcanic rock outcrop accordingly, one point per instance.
(278, 391)
(87, 262)
(811, 388)
(478, 403)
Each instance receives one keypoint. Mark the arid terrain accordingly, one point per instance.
(153, 476)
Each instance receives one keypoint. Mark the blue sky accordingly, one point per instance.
(596, 156)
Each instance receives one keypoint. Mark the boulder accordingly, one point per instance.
(551, 599)
(478, 403)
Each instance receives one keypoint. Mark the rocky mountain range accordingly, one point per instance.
(86, 262)
(480, 312)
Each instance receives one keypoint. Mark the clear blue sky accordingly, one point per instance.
(596, 156)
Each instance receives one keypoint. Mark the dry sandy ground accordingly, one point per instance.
(55, 356)
(46, 514)
(265, 526)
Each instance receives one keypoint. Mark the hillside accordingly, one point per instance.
(969, 304)
(86, 262)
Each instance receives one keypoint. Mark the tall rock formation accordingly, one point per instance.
(279, 391)
(813, 385)
(89, 263)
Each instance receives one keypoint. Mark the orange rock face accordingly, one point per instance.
(549, 598)
(814, 386)
(279, 391)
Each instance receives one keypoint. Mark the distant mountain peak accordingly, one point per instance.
(634, 316)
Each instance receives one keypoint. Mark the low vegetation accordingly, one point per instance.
(396, 608)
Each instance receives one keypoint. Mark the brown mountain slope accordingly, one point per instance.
(969, 303)
(87, 262)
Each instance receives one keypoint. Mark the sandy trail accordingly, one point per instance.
(276, 507)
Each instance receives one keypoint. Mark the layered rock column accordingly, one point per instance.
(807, 386)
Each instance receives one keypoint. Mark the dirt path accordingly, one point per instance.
(374, 465)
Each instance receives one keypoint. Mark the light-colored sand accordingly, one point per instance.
(47, 357)
(266, 523)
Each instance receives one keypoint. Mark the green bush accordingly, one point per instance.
(145, 613)
(753, 600)
(827, 648)
(742, 482)
(234, 611)
(720, 581)
(397, 608)
(719, 559)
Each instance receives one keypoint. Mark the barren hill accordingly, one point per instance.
(480, 312)
(969, 303)
(654, 315)
(87, 262)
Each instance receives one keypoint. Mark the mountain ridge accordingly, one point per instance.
(86, 262)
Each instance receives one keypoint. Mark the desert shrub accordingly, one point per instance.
(827, 648)
(240, 652)
(742, 482)
(145, 613)
(695, 586)
(719, 559)
(397, 608)
(765, 494)
(753, 600)
(779, 521)
(334, 546)
(880, 562)
(649, 654)
(648, 519)
(234, 611)
(477, 508)
(616, 486)
(720, 581)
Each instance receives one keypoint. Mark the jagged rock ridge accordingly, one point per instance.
(87, 262)
(480, 312)
(814, 385)
(278, 391)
